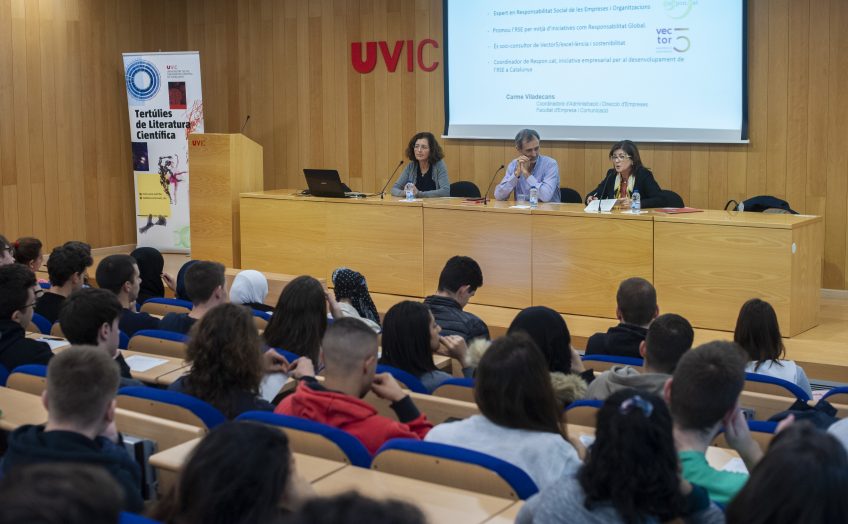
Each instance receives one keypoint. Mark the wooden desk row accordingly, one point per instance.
(704, 265)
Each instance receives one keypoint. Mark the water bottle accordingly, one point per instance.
(636, 202)
(534, 197)
(741, 206)
(410, 195)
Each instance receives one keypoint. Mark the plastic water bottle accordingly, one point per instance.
(534, 197)
(636, 202)
(741, 206)
(410, 195)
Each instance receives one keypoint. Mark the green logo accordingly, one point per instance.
(678, 9)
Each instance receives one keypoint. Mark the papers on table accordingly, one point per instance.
(140, 364)
(735, 465)
(54, 342)
(606, 205)
(520, 206)
(271, 385)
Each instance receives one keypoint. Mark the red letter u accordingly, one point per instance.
(367, 65)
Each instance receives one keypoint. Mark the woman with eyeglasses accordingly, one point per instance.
(626, 176)
(426, 170)
(630, 475)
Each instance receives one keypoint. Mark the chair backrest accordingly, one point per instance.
(260, 319)
(314, 438)
(4, 375)
(763, 406)
(406, 380)
(838, 397)
(123, 340)
(454, 466)
(291, 357)
(774, 386)
(761, 431)
(29, 378)
(583, 412)
(569, 196)
(170, 405)
(437, 409)
(457, 389)
(605, 362)
(132, 518)
(671, 199)
(163, 306)
(159, 342)
(56, 331)
(464, 188)
(165, 433)
(42, 324)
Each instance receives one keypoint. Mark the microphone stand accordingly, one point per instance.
(383, 191)
(603, 191)
(485, 198)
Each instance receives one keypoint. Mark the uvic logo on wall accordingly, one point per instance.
(391, 57)
(142, 80)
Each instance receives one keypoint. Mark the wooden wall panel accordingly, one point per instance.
(65, 158)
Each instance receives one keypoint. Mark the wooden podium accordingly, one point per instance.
(222, 166)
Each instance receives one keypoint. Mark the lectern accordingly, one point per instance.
(222, 166)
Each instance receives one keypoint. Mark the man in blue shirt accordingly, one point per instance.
(530, 169)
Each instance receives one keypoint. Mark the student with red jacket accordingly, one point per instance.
(349, 352)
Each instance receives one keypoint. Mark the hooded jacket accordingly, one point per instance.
(17, 350)
(454, 321)
(32, 445)
(313, 401)
(621, 341)
(624, 377)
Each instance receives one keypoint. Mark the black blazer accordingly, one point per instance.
(649, 191)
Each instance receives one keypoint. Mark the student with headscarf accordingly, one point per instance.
(548, 330)
(151, 267)
(352, 295)
(250, 288)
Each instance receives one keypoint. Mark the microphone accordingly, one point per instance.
(246, 120)
(603, 190)
(492, 181)
(391, 177)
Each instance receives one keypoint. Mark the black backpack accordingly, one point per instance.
(763, 203)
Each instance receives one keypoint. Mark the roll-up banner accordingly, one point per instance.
(165, 105)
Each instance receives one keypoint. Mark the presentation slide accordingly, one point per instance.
(646, 70)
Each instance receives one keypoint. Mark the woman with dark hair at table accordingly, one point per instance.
(426, 170)
(626, 176)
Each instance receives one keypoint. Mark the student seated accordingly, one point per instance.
(758, 332)
(206, 284)
(151, 267)
(630, 474)
(90, 318)
(668, 338)
(802, 478)
(636, 301)
(349, 353)
(66, 268)
(240, 473)
(704, 397)
(250, 288)
(411, 336)
(80, 401)
(227, 362)
(28, 252)
(17, 299)
(60, 493)
(458, 282)
(353, 299)
(340, 509)
(300, 318)
(520, 417)
(120, 275)
(549, 331)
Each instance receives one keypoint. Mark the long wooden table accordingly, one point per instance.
(704, 265)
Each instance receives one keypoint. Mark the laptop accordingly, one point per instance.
(327, 183)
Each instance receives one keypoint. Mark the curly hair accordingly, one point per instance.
(300, 318)
(633, 462)
(436, 152)
(225, 352)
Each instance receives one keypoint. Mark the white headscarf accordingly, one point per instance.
(249, 287)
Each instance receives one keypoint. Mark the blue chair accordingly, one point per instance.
(604, 362)
(163, 306)
(314, 438)
(264, 315)
(291, 357)
(132, 518)
(454, 466)
(260, 319)
(774, 386)
(4, 375)
(29, 378)
(43, 325)
(159, 342)
(44, 285)
(762, 431)
(170, 405)
(407, 380)
(123, 340)
(457, 389)
(583, 412)
(839, 398)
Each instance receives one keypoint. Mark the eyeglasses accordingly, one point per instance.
(619, 157)
(28, 305)
(420, 146)
(636, 402)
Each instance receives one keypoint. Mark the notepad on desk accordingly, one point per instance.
(140, 364)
